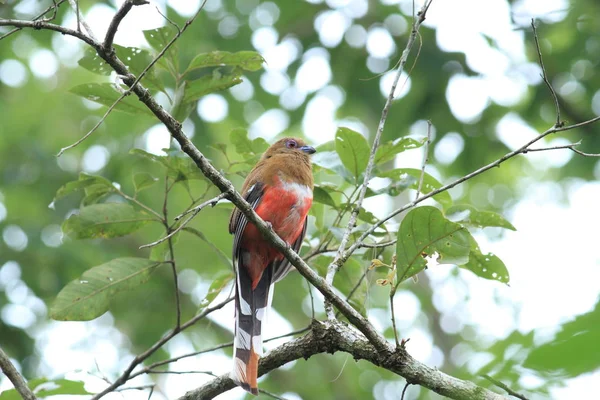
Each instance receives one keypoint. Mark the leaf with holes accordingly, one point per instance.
(246, 60)
(94, 63)
(353, 149)
(107, 95)
(487, 266)
(137, 60)
(90, 296)
(402, 176)
(424, 232)
(469, 215)
(387, 151)
(158, 39)
(107, 220)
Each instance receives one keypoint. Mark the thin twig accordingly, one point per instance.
(81, 20)
(212, 202)
(125, 376)
(269, 394)
(425, 160)
(378, 245)
(181, 372)
(312, 299)
(40, 24)
(339, 259)
(15, 377)
(139, 203)
(171, 250)
(581, 153)
(559, 123)
(53, 8)
(142, 387)
(570, 146)
(506, 388)
(404, 390)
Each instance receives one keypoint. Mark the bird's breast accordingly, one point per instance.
(285, 205)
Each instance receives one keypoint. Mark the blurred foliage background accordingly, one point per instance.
(476, 78)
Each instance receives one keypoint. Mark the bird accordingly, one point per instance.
(280, 189)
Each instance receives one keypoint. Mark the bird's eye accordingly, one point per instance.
(291, 144)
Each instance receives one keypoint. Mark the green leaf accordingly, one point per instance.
(143, 180)
(209, 84)
(105, 94)
(43, 387)
(487, 266)
(246, 60)
(220, 282)
(137, 60)
(134, 58)
(90, 296)
(387, 151)
(469, 215)
(425, 231)
(226, 260)
(181, 110)
(353, 149)
(62, 386)
(82, 183)
(243, 144)
(94, 63)
(322, 196)
(179, 166)
(363, 214)
(330, 160)
(402, 176)
(158, 39)
(573, 351)
(106, 220)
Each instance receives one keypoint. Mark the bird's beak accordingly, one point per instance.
(308, 149)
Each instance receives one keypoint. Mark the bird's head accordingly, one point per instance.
(289, 146)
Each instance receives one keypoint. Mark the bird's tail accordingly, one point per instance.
(250, 310)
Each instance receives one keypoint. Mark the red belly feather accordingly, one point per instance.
(286, 212)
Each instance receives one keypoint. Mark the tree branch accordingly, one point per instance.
(114, 24)
(339, 259)
(15, 377)
(559, 123)
(38, 24)
(522, 150)
(370, 345)
(331, 336)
